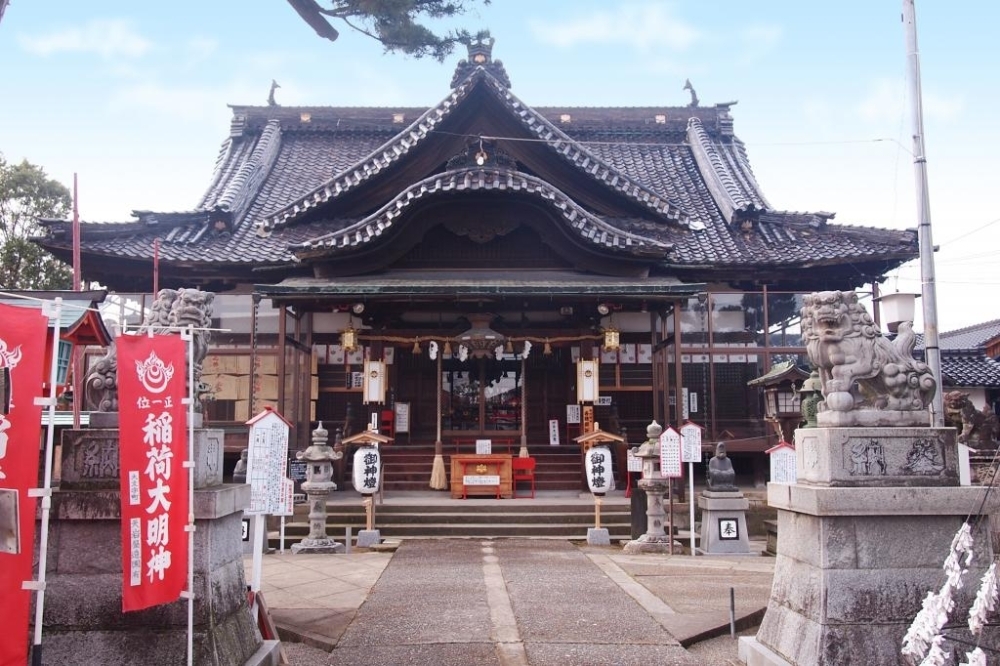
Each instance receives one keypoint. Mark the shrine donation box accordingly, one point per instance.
(481, 475)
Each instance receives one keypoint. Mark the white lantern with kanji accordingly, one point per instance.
(367, 470)
(600, 474)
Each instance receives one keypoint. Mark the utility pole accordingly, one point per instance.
(928, 286)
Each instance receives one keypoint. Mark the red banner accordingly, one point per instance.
(154, 483)
(22, 362)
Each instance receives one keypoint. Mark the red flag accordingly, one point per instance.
(154, 484)
(22, 360)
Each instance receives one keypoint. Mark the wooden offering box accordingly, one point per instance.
(481, 475)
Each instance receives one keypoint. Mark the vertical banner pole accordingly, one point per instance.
(258, 552)
(282, 535)
(670, 518)
(691, 503)
(188, 336)
(55, 315)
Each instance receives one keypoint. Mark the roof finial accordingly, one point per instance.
(270, 96)
(694, 95)
(480, 48)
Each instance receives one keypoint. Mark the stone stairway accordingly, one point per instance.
(540, 518)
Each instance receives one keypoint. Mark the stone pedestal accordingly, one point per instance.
(856, 558)
(598, 536)
(83, 622)
(876, 457)
(723, 523)
(369, 538)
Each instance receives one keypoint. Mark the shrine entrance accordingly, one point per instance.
(482, 396)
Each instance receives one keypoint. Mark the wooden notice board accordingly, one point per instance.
(496, 464)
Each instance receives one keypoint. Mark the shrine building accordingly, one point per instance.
(485, 269)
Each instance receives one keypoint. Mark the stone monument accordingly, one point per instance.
(319, 458)
(723, 510)
(83, 622)
(864, 530)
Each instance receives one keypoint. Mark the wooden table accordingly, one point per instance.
(496, 465)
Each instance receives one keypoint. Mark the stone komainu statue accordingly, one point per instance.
(193, 307)
(101, 384)
(867, 380)
(172, 309)
(978, 428)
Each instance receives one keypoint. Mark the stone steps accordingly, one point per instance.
(473, 518)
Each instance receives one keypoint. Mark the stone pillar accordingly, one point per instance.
(83, 621)
(862, 537)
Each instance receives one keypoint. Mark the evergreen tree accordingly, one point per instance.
(27, 194)
(392, 22)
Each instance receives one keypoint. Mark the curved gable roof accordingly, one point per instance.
(581, 158)
(590, 229)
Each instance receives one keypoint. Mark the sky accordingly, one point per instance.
(132, 98)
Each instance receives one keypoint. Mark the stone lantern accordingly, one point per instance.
(319, 458)
(810, 395)
(655, 540)
(781, 397)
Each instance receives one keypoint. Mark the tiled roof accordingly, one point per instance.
(970, 337)
(970, 369)
(423, 127)
(694, 202)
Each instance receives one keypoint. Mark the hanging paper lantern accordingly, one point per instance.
(367, 472)
(600, 476)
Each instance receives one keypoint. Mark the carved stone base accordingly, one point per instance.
(648, 544)
(318, 546)
(876, 457)
(83, 622)
(853, 567)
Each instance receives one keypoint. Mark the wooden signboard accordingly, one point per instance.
(402, 410)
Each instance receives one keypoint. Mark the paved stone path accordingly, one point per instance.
(508, 603)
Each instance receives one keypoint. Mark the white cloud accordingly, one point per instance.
(642, 25)
(108, 38)
(199, 49)
(889, 101)
(885, 102)
(183, 103)
(758, 39)
(940, 107)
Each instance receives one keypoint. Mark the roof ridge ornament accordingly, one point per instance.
(694, 95)
(480, 58)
